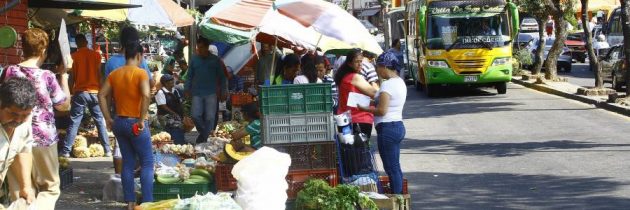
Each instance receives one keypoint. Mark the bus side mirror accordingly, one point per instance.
(513, 11)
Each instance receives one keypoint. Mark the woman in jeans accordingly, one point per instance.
(390, 129)
(52, 94)
(130, 89)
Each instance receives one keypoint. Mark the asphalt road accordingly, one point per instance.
(581, 75)
(523, 150)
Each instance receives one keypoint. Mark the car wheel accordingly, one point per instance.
(501, 88)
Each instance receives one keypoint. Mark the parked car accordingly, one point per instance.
(613, 67)
(564, 60)
(577, 46)
(529, 25)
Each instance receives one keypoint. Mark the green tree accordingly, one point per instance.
(593, 60)
(560, 11)
(536, 9)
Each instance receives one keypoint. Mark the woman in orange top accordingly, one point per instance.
(130, 89)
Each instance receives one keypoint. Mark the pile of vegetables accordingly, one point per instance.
(161, 137)
(221, 201)
(317, 194)
(183, 175)
(80, 147)
(96, 150)
(64, 162)
(186, 149)
(213, 147)
(224, 129)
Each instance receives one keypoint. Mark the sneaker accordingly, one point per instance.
(65, 155)
(109, 154)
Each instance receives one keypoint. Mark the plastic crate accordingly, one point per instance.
(385, 184)
(223, 177)
(296, 99)
(170, 191)
(241, 99)
(394, 202)
(298, 128)
(66, 177)
(320, 155)
(296, 179)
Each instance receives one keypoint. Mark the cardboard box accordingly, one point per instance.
(394, 202)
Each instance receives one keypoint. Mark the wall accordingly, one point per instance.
(16, 18)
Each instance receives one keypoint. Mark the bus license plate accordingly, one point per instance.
(470, 78)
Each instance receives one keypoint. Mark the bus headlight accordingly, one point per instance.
(500, 61)
(439, 64)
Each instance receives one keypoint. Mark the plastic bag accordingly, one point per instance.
(20, 204)
(265, 164)
(112, 190)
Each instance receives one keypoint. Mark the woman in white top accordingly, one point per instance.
(390, 100)
(309, 72)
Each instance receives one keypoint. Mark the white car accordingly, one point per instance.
(529, 25)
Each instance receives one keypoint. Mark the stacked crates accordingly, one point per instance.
(298, 120)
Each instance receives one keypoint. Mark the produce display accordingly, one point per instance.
(186, 149)
(222, 201)
(96, 150)
(81, 152)
(79, 141)
(161, 137)
(213, 147)
(317, 194)
(224, 129)
(201, 174)
(64, 162)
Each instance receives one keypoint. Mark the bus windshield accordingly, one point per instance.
(467, 32)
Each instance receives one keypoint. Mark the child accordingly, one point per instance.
(237, 149)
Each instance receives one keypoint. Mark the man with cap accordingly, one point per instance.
(170, 109)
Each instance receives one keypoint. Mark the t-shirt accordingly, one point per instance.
(253, 129)
(397, 90)
(49, 95)
(22, 142)
(117, 61)
(368, 71)
(85, 70)
(125, 82)
(303, 80)
(206, 75)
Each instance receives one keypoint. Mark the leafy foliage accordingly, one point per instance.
(317, 194)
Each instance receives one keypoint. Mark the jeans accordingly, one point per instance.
(134, 147)
(177, 134)
(390, 134)
(81, 100)
(204, 111)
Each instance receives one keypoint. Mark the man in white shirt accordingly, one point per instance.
(600, 45)
(17, 99)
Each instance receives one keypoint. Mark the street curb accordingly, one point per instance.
(598, 103)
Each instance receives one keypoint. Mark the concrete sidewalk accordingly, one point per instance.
(568, 90)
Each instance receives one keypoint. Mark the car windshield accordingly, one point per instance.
(467, 32)
(529, 21)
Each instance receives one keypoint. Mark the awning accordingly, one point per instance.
(369, 12)
(78, 4)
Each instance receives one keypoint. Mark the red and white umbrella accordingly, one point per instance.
(331, 21)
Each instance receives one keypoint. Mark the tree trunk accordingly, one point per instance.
(625, 11)
(594, 64)
(540, 48)
(560, 25)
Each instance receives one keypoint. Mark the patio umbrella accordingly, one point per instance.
(338, 28)
(241, 21)
(161, 13)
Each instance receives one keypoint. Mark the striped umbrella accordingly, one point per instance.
(161, 13)
(340, 30)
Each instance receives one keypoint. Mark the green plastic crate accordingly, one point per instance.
(296, 99)
(170, 191)
(298, 128)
